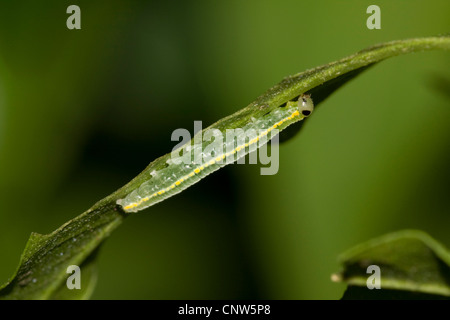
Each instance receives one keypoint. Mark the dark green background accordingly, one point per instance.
(83, 111)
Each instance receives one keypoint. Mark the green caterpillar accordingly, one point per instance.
(177, 176)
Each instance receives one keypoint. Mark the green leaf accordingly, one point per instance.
(88, 282)
(42, 268)
(42, 271)
(320, 93)
(362, 293)
(412, 265)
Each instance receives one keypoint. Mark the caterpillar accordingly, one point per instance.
(175, 176)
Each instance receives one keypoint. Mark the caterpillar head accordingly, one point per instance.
(305, 105)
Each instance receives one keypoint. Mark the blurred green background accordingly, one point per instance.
(84, 111)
